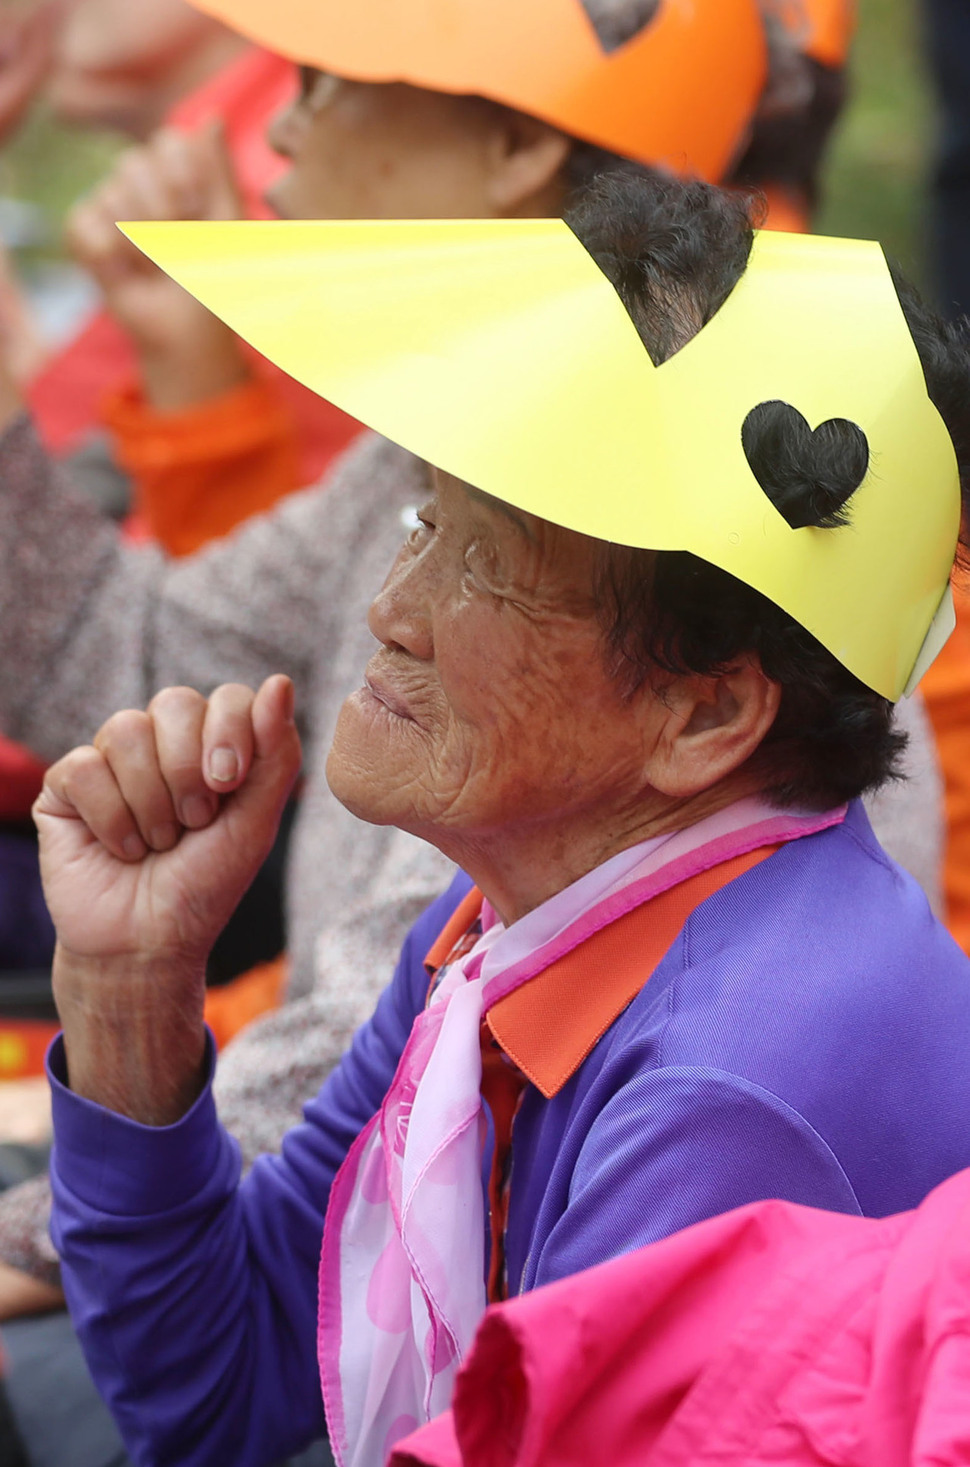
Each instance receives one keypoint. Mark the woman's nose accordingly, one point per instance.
(401, 615)
(283, 132)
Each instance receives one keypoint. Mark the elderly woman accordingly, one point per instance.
(686, 977)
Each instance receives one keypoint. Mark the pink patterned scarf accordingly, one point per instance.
(402, 1269)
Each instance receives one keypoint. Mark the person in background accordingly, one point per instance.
(168, 65)
(187, 362)
(947, 687)
(788, 143)
(102, 64)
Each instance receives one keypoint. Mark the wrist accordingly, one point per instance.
(175, 379)
(134, 1033)
(11, 399)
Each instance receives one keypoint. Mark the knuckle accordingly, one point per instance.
(179, 701)
(233, 696)
(77, 769)
(122, 730)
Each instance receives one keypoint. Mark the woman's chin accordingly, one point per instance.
(365, 768)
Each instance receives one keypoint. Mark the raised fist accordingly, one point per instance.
(150, 836)
(186, 354)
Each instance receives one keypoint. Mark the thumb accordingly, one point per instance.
(258, 803)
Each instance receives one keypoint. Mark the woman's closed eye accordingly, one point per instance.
(423, 526)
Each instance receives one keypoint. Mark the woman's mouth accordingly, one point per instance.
(386, 695)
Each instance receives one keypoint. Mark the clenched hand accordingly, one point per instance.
(148, 839)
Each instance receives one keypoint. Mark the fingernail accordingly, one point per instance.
(134, 847)
(223, 765)
(289, 703)
(163, 837)
(196, 812)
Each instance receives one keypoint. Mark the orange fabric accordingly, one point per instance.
(231, 1007)
(23, 1045)
(450, 936)
(946, 691)
(502, 1086)
(831, 25)
(787, 209)
(201, 471)
(549, 1025)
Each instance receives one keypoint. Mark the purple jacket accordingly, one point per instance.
(807, 1036)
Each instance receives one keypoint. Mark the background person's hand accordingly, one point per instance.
(21, 1294)
(11, 396)
(24, 350)
(25, 1111)
(186, 354)
(28, 31)
(148, 839)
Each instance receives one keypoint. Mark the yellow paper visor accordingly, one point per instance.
(498, 351)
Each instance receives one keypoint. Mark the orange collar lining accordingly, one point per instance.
(550, 1024)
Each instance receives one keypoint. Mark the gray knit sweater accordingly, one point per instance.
(89, 624)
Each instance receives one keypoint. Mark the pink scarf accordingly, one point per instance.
(402, 1269)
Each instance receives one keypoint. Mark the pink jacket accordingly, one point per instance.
(773, 1334)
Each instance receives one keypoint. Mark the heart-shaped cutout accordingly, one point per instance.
(808, 474)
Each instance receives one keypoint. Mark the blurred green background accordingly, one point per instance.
(875, 181)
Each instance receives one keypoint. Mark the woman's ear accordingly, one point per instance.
(710, 726)
(525, 159)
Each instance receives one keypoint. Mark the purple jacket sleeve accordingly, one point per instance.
(195, 1297)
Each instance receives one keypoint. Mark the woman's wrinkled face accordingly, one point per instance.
(365, 150)
(488, 706)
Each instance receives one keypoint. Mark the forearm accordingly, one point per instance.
(194, 1301)
(194, 1297)
(189, 368)
(134, 1035)
(11, 402)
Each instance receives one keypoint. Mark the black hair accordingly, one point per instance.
(674, 251)
(787, 147)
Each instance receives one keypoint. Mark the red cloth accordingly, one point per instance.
(774, 1334)
(21, 776)
(66, 398)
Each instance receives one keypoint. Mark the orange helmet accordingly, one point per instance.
(822, 28)
(679, 95)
